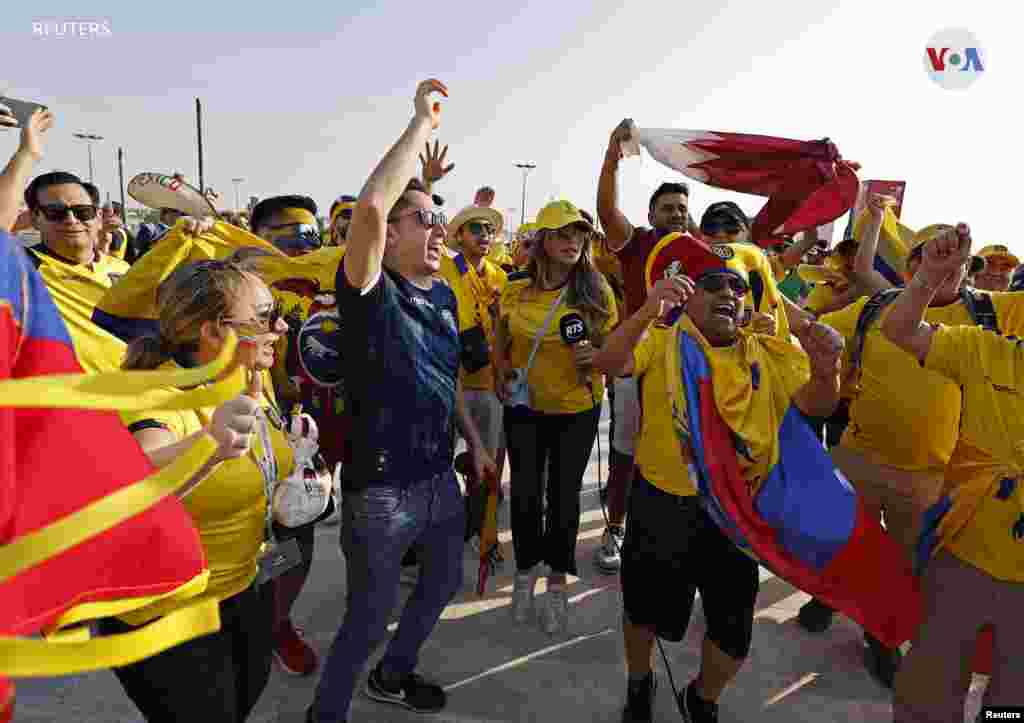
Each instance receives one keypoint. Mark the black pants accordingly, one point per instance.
(672, 550)
(218, 677)
(563, 442)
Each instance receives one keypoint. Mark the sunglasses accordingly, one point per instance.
(480, 229)
(58, 212)
(716, 283)
(713, 227)
(429, 219)
(263, 323)
(302, 236)
(345, 213)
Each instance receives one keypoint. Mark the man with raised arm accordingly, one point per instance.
(399, 487)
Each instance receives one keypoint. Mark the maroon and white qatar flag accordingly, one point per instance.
(807, 183)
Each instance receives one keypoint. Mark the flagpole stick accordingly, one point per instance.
(199, 136)
(120, 174)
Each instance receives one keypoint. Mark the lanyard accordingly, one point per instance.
(266, 460)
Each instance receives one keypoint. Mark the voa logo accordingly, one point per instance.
(954, 59)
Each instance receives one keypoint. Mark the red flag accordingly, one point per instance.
(807, 183)
(55, 462)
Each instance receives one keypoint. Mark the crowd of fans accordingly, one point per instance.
(432, 333)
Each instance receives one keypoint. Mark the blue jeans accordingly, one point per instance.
(379, 525)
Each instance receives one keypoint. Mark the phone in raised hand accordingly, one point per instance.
(22, 110)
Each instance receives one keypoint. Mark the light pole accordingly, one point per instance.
(89, 138)
(237, 181)
(525, 168)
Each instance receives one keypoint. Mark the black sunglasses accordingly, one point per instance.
(716, 283)
(58, 212)
(429, 219)
(477, 228)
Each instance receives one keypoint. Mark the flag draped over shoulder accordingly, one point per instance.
(87, 529)
(800, 518)
(807, 183)
(129, 309)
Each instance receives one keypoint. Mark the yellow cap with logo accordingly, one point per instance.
(559, 214)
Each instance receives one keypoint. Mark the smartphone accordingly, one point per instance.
(22, 110)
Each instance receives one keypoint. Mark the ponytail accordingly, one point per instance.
(146, 352)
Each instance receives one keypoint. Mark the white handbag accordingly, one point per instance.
(304, 495)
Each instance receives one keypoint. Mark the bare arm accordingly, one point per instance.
(795, 316)
(162, 448)
(823, 345)
(615, 358)
(794, 254)
(904, 325)
(868, 279)
(18, 171)
(368, 230)
(615, 224)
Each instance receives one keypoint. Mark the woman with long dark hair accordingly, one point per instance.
(552, 317)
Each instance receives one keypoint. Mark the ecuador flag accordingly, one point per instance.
(798, 516)
(129, 309)
(77, 510)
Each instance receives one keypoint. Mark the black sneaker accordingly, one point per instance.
(815, 616)
(640, 700)
(881, 662)
(412, 693)
(695, 709)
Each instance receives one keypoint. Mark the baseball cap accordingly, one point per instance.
(559, 214)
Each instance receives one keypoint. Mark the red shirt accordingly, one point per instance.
(633, 258)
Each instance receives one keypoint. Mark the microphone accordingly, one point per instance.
(574, 332)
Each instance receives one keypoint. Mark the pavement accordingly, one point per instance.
(495, 670)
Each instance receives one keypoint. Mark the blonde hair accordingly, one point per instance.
(192, 295)
(588, 290)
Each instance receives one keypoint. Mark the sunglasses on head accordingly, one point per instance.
(58, 212)
(428, 219)
(262, 324)
(716, 283)
(478, 228)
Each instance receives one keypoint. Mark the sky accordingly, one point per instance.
(306, 98)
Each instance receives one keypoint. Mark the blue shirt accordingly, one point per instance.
(401, 363)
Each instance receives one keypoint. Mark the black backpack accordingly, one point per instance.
(978, 303)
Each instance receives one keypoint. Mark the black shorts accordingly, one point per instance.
(672, 550)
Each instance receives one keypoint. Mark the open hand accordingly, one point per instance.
(32, 134)
(433, 164)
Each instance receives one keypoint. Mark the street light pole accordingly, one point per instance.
(89, 138)
(525, 168)
(237, 181)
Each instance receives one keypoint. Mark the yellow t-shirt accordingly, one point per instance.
(820, 297)
(228, 507)
(554, 382)
(753, 411)
(76, 289)
(476, 292)
(990, 370)
(907, 416)
(659, 452)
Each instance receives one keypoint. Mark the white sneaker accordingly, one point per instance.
(522, 595)
(556, 611)
(608, 557)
